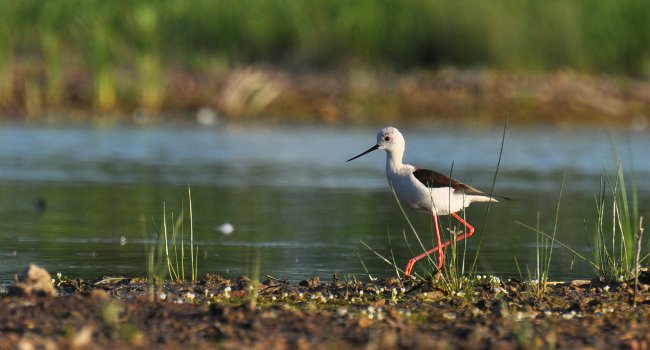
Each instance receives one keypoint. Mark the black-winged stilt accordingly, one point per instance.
(425, 190)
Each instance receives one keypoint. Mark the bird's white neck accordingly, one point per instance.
(394, 161)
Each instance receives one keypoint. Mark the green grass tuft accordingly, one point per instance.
(537, 280)
(172, 247)
(617, 248)
(617, 229)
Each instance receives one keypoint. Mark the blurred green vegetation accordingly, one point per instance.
(126, 47)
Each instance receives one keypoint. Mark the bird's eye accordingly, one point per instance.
(387, 138)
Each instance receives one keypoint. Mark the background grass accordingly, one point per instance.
(588, 35)
(125, 46)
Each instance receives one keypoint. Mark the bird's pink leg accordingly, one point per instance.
(469, 231)
(441, 254)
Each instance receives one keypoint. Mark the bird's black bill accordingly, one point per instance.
(366, 152)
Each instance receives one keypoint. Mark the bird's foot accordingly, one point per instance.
(409, 267)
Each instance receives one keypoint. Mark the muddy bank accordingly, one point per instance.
(340, 313)
(349, 95)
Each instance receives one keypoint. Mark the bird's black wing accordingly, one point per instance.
(434, 179)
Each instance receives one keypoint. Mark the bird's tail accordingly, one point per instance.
(483, 199)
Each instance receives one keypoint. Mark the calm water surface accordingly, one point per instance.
(88, 201)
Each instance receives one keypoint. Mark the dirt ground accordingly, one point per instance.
(342, 313)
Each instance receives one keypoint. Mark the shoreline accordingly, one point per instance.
(350, 96)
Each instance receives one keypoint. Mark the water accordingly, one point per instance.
(88, 201)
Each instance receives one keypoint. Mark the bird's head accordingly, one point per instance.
(388, 139)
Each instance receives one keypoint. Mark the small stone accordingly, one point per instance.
(580, 283)
(311, 283)
(83, 338)
(395, 315)
(34, 280)
(98, 294)
(364, 322)
(243, 282)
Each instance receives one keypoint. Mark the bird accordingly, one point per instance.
(425, 191)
